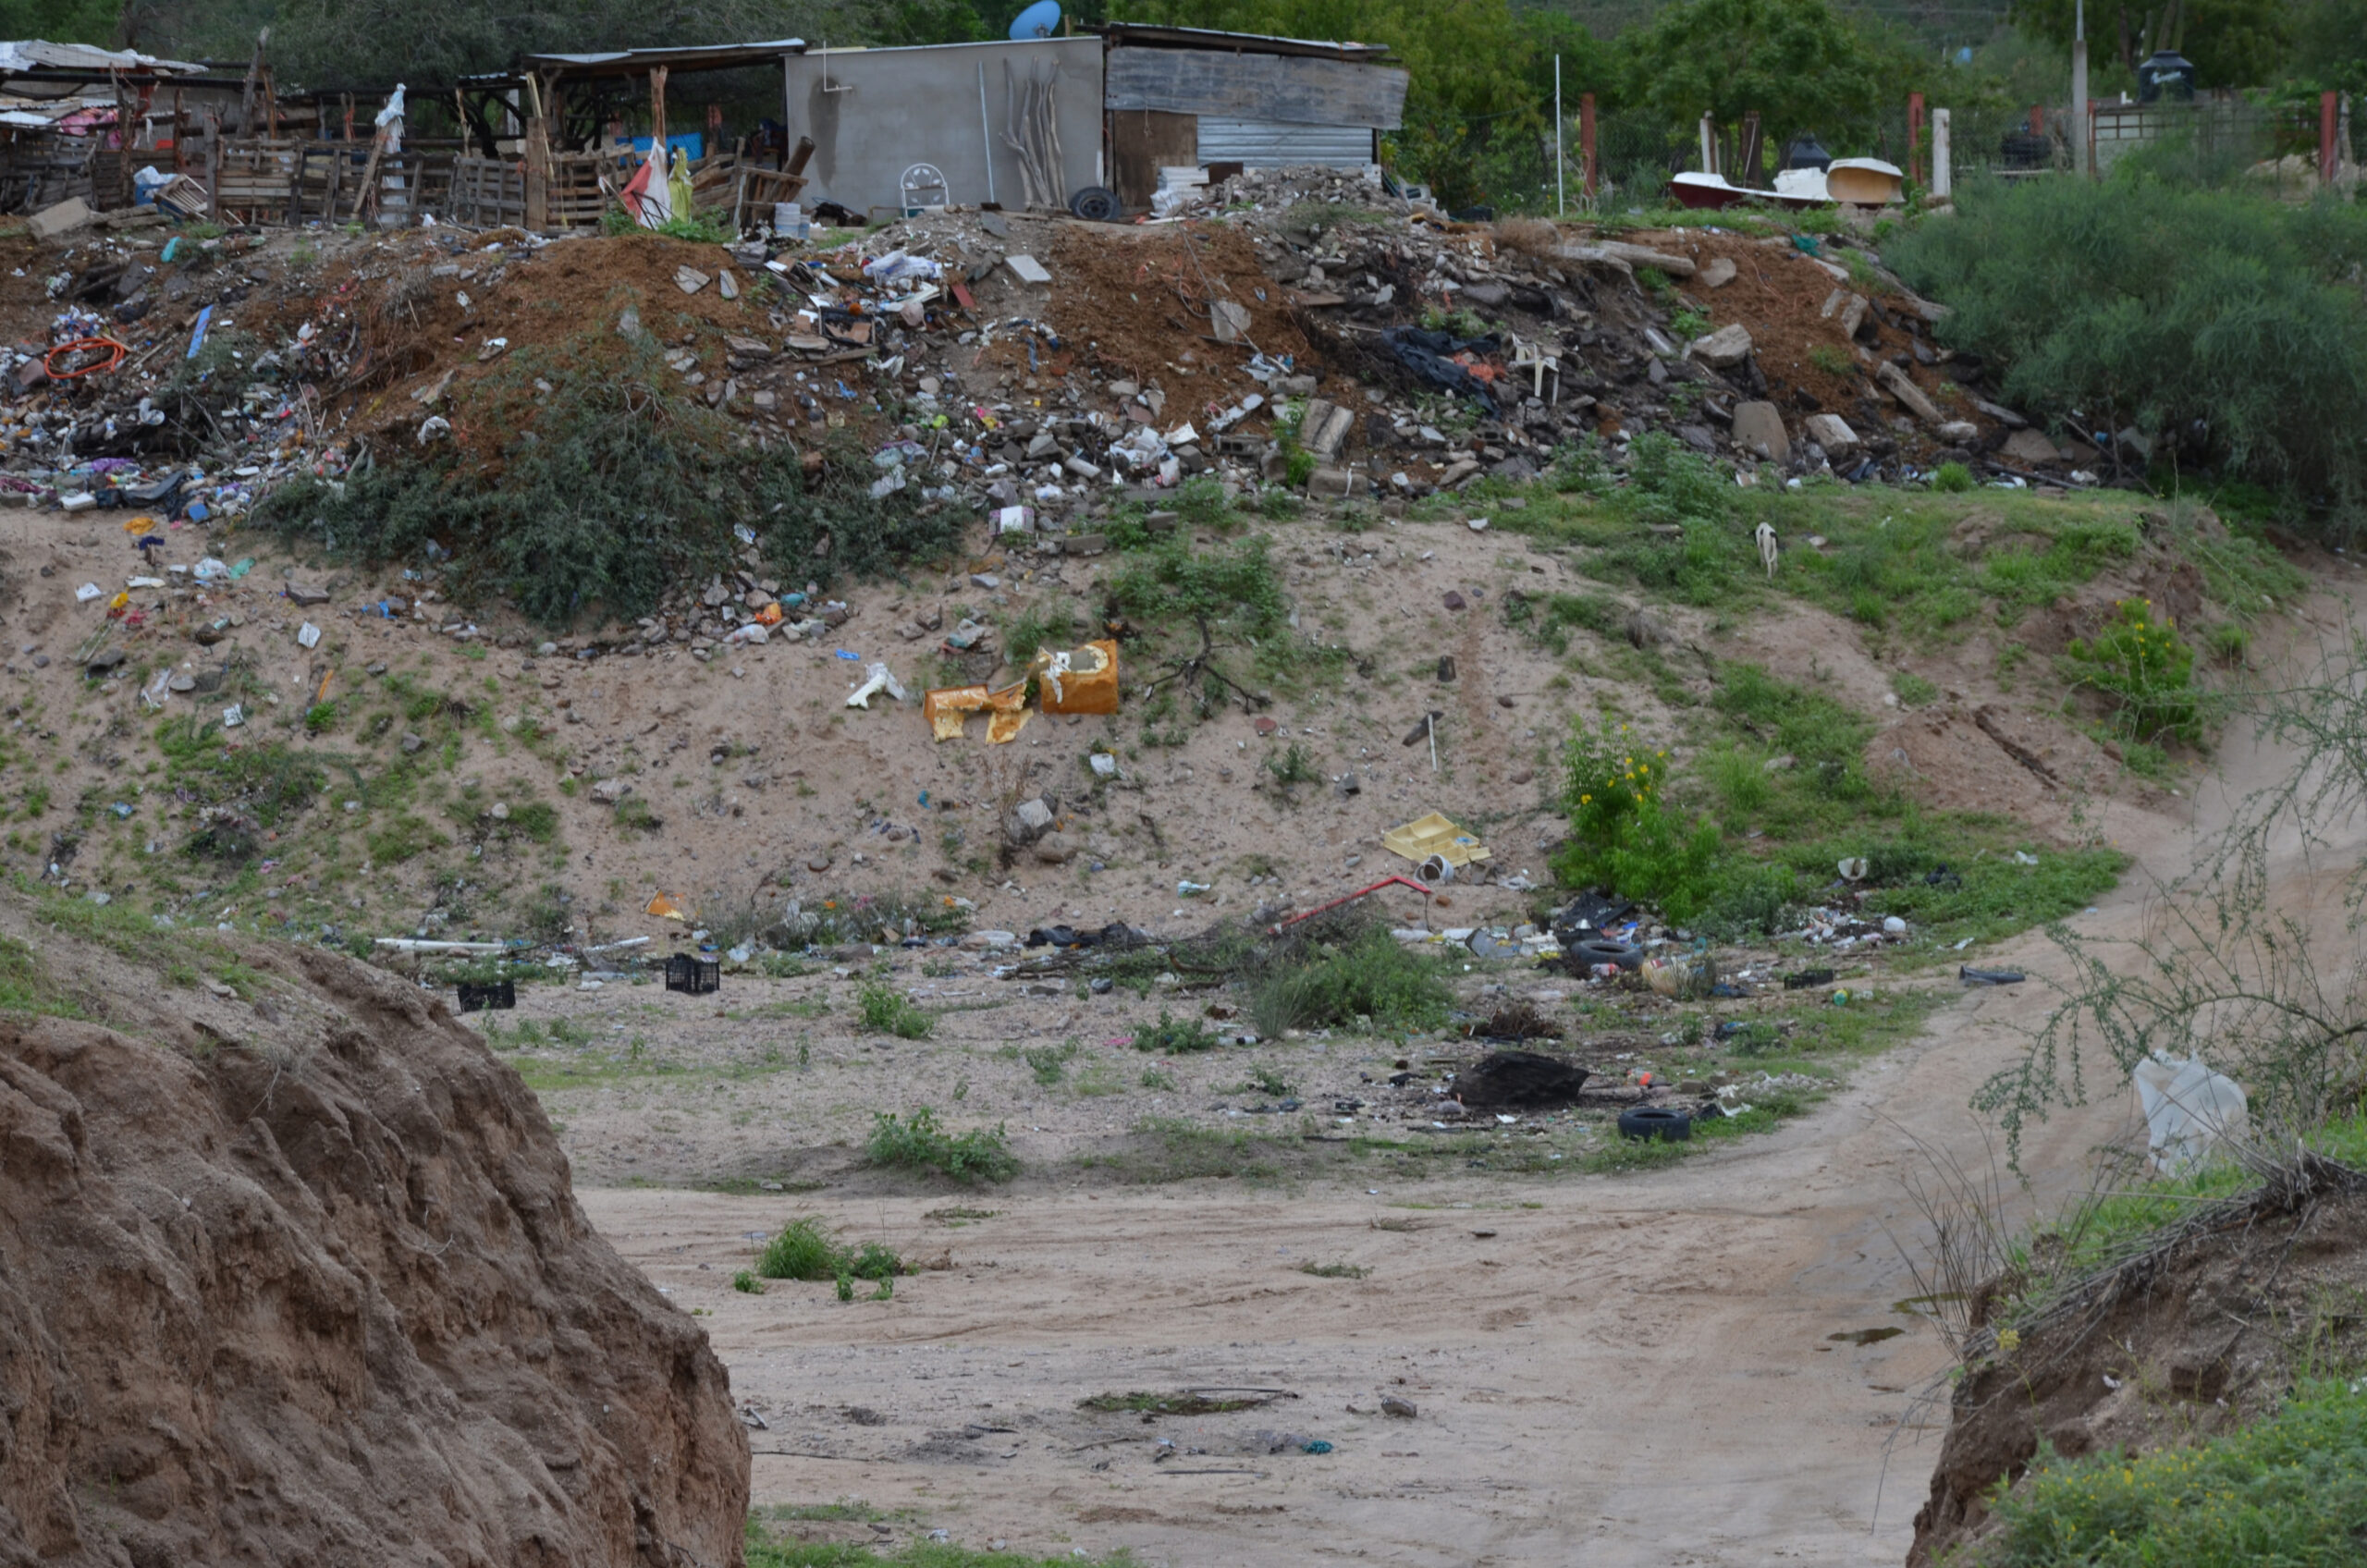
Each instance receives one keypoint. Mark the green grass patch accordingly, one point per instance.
(766, 1552)
(884, 1010)
(803, 1250)
(2282, 1489)
(917, 1143)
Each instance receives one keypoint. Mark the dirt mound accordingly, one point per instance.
(306, 1282)
(2185, 1346)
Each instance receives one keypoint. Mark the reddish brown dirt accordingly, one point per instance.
(1147, 302)
(304, 1281)
(2190, 1351)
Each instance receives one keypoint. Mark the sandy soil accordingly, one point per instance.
(1612, 1369)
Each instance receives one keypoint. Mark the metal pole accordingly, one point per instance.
(1943, 157)
(1561, 205)
(2079, 126)
(986, 132)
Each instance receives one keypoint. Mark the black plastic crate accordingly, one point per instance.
(696, 975)
(495, 994)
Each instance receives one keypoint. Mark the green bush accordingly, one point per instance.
(1237, 584)
(1369, 979)
(800, 1252)
(1952, 478)
(2226, 323)
(804, 1251)
(2146, 668)
(612, 486)
(917, 1143)
(885, 1011)
(1176, 1036)
(2285, 1489)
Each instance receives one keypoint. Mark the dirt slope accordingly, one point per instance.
(304, 1281)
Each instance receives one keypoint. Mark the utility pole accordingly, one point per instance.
(2080, 88)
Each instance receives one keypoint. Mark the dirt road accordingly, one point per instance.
(1644, 1369)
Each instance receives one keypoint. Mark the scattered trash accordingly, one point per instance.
(685, 972)
(875, 680)
(1434, 837)
(477, 995)
(1806, 978)
(1645, 1124)
(1520, 1080)
(1971, 976)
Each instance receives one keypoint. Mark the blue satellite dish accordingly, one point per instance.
(1040, 20)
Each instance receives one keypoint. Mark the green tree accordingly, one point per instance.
(2232, 42)
(1801, 65)
(61, 21)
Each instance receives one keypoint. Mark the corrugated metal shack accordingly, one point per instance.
(64, 110)
(1180, 96)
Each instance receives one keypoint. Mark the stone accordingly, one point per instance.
(1717, 274)
(1960, 433)
(2001, 414)
(609, 791)
(1227, 320)
(1029, 821)
(413, 744)
(1055, 848)
(690, 280)
(817, 863)
(1723, 348)
(1831, 432)
(1758, 429)
(1853, 315)
(1333, 481)
(727, 285)
(1458, 472)
(65, 217)
(1324, 427)
(1911, 398)
(2029, 447)
(1028, 270)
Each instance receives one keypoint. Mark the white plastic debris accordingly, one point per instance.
(86, 593)
(308, 636)
(233, 717)
(1894, 926)
(876, 679)
(2188, 1110)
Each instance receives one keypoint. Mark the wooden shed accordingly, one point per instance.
(1180, 95)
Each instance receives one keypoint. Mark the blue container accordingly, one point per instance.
(691, 141)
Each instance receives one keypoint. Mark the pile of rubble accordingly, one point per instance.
(1311, 329)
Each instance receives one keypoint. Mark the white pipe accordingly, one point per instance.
(1561, 207)
(411, 945)
(986, 132)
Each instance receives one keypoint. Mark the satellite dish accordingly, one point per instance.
(1039, 21)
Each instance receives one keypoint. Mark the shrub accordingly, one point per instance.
(747, 1284)
(2224, 323)
(804, 1251)
(1176, 1036)
(2282, 1489)
(1367, 979)
(610, 488)
(917, 1143)
(1952, 478)
(2147, 670)
(885, 1011)
(800, 1252)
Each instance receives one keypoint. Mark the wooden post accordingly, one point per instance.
(2328, 167)
(212, 167)
(1942, 167)
(657, 114)
(538, 173)
(349, 117)
(1915, 136)
(1586, 139)
(180, 163)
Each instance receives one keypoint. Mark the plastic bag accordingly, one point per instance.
(2188, 1110)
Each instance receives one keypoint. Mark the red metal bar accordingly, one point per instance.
(2327, 167)
(1276, 929)
(1586, 137)
(1915, 136)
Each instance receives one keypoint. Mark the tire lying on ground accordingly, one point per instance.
(1587, 954)
(1646, 1122)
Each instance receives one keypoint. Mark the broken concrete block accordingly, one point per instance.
(1055, 848)
(1028, 270)
(727, 285)
(1332, 480)
(1723, 348)
(1717, 274)
(1227, 320)
(2029, 446)
(1960, 433)
(1029, 821)
(1325, 427)
(1458, 472)
(1831, 432)
(609, 791)
(1853, 315)
(64, 218)
(1913, 398)
(690, 280)
(1758, 429)
(2001, 414)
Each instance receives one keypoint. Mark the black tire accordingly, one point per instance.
(1096, 205)
(1649, 1121)
(1626, 955)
